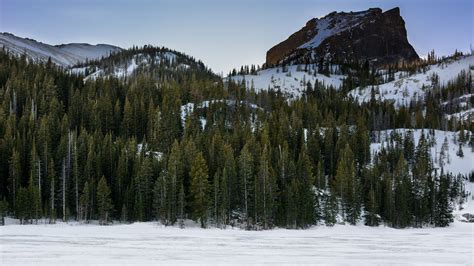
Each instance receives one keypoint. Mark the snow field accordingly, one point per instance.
(150, 243)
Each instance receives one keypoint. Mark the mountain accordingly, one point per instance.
(154, 61)
(64, 55)
(373, 35)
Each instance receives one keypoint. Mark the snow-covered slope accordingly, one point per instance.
(413, 87)
(128, 67)
(84, 51)
(63, 55)
(451, 163)
(291, 83)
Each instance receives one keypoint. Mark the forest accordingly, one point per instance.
(122, 150)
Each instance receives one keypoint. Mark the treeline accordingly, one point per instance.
(119, 150)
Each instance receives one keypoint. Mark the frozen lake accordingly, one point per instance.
(149, 243)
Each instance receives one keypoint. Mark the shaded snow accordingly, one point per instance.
(63, 55)
(129, 67)
(153, 244)
(291, 83)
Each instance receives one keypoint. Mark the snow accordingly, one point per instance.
(156, 154)
(150, 243)
(84, 51)
(405, 88)
(129, 67)
(63, 55)
(456, 164)
(292, 83)
(333, 24)
(188, 108)
(465, 116)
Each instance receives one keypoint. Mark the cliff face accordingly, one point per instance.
(377, 36)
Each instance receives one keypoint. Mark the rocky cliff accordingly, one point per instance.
(373, 35)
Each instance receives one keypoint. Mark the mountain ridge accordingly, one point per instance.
(64, 55)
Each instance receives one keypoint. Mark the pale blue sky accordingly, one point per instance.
(224, 34)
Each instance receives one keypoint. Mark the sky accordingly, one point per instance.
(224, 34)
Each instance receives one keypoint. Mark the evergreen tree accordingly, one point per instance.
(104, 202)
(371, 210)
(443, 208)
(3, 211)
(199, 189)
(347, 186)
(246, 174)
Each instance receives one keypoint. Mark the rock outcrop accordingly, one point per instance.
(373, 35)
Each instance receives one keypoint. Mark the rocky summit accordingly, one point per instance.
(380, 37)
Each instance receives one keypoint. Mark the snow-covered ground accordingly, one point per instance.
(150, 243)
(405, 88)
(291, 83)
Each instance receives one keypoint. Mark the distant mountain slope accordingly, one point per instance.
(152, 60)
(406, 88)
(64, 55)
(371, 35)
(291, 81)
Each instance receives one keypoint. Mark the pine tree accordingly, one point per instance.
(460, 153)
(307, 202)
(246, 174)
(402, 194)
(144, 189)
(371, 210)
(443, 208)
(85, 202)
(52, 192)
(199, 189)
(348, 186)
(268, 190)
(14, 175)
(223, 204)
(160, 199)
(34, 200)
(104, 201)
(330, 209)
(3, 211)
(175, 178)
(23, 207)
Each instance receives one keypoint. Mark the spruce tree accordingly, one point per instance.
(199, 189)
(104, 202)
(246, 175)
(371, 210)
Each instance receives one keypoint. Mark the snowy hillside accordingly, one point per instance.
(449, 162)
(84, 51)
(292, 83)
(406, 88)
(452, 163)
(63, 55)
(130, 64)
